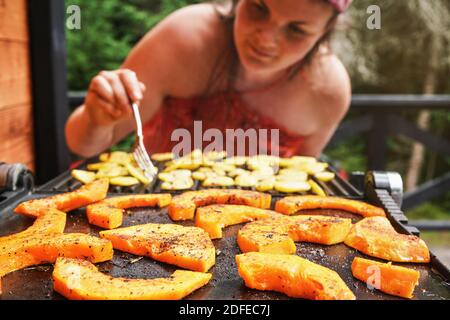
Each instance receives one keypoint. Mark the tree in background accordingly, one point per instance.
(109, 29)
(410, 54)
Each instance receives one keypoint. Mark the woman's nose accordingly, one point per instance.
(268, 38)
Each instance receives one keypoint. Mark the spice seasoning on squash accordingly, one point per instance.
(277, 235)
(214, 218)
(377, 238)
(291, 275)
(186, 247)
(108, 213)
(65, 202)
(183, 206)
(394, 280)
(291, 205)
(81, 280)
(40, 249)
(51, 222)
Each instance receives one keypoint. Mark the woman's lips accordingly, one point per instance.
(261, 53)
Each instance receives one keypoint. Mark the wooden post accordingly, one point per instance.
(16, 129)
(50, 102)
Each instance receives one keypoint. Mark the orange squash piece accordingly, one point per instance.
(377, 238)
(108, 213)
(214, 218)
(291, 205)
(53, 221)
(186, 247)
(394, 280)
(42, 249)
(183, 206)
(277, 235)
(294, 276)
(81, 280)
(65, 202)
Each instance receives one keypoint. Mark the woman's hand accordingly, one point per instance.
(109, 95)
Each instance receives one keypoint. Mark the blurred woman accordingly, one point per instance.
(244, 64)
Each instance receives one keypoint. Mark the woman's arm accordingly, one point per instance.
(173, 59)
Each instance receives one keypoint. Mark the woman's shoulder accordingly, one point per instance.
(329, 82)
(186, 44)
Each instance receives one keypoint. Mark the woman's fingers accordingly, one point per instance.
(131, 84)
(121, 98)
(101, 87)
(101, 110)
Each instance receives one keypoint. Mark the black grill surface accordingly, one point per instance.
(36, 283)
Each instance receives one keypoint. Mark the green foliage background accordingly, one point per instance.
(110, 28)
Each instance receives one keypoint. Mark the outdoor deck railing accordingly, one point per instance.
(378, 117)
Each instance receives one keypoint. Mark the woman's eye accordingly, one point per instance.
(296, 30)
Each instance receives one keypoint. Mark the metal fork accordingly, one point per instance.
(139, 152)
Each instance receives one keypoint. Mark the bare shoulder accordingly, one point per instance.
(330, 85)
(185, 45)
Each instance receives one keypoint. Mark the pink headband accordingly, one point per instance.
(340, 5)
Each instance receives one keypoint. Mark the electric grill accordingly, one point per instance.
(378, 188)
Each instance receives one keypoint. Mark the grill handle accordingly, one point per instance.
(384, 180)
(14, 177)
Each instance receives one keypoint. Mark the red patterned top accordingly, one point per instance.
(221, 111)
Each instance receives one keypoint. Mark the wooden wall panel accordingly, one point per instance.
(13, 20)
(15, 87)
(16, 120)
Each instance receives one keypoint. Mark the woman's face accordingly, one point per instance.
(272, 35)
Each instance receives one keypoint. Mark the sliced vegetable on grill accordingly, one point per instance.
(294, 276)
(218, 181)
(325, 176)
(83, 176)
(376, 237)
(42, 249)
(162, 157)
(111, 172)
(246, 181)
(186, 247)
(136, 172)
(87, 194)
(390, 279)
(124, 181)
(81, 280)
(286, 186)
(316, 188)
(108, 213)
(214, 218)
(51, 222)
(278, 235)
(294, 204)
(183, 206)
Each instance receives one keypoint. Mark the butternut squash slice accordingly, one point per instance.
(214, 218)
(186, 247)
(294, 276)
(183, 206)
(291, 205)
(81, 280)
(42, 249)
(277, 235)
(377, 238)
(65, 202)
(108, 213)
(394, 280)
(53, 221)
